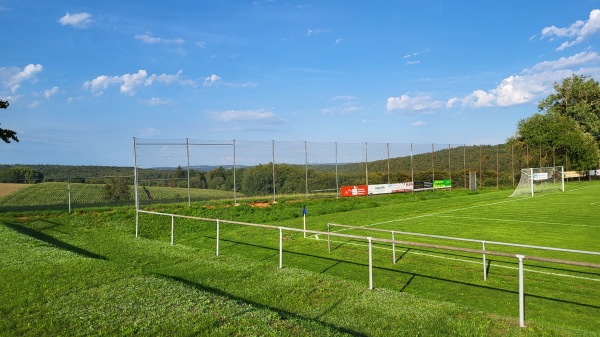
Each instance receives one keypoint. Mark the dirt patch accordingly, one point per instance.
(8, 188)
(260, 204)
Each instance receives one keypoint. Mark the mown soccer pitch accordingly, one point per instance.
(554, 293)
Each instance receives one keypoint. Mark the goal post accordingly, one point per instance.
(540, 179)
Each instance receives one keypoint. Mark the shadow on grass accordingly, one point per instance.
(53, 241)
(336, 261)
(281, 313)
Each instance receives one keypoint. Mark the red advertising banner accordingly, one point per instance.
(352, 191)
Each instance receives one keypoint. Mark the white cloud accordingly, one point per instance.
(418, 123)
(577, 32)
(148, 38)
(418, 103)
(312, 32)
(130, 82)
(155, 101)
(211, 80)
(409, 56)
(216, 80)
(50, 92)
(148, 132)
(346, 106)
(338, 40)
(245, 116)
(532, 83)
(343, 98)
(13, 77)
(77, 20)
(577, 60)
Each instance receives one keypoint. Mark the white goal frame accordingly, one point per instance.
(538, 179)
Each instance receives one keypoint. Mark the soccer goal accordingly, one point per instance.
(540, 179)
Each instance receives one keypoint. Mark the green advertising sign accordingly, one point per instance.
(446, 183)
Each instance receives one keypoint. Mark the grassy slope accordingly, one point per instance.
(86, 274)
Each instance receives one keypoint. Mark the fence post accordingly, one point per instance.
(328, 240)
(273, 158)
(484, 263)
(366, 163)
(370, 263)
(280, 247)
(218, 233)
(187, 150)
(521, 293)
(234, 173)
(172, 228)
(69, 189)
(305, 171)
(137, 221)
(393, 247)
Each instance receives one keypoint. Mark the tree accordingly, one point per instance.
(117, 190)
(6, 134)
(561, 134)
(577, 97)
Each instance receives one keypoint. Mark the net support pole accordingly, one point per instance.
(187, 152)
(521, 293)
(305, 172)
(137, 222)
(234, 178)
(273, 157)
(366, 163)
(370, 263)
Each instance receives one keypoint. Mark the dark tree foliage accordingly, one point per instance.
(21, 175)
(577, 97)
(6, 134)
(569, 123)
(117, 190)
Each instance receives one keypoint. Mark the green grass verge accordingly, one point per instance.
(86, 273)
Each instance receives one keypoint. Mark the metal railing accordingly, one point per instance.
(370, 240)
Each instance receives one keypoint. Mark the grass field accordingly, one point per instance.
(55, 195)
(87, 274)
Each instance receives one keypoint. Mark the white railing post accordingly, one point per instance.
(218, 233)
(280, 247)
(172, 228)
(521, 293)
(484, 268)
(393, 247)
(370, 263)
(328, 240)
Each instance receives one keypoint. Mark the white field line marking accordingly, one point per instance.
(470, 261)
(512, 220)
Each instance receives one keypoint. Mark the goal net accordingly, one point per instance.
(540, 179)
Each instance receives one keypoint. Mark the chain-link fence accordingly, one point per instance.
(184, 170)
(67, 193)
(318, 169)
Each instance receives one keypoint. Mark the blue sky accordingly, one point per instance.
(84, 77)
